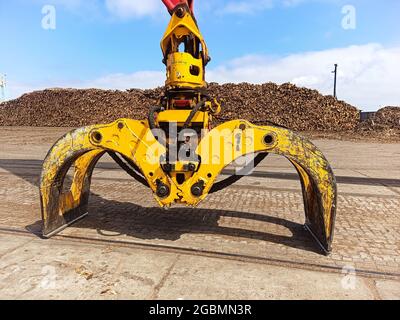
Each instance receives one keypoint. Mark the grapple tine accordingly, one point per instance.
(81, 149)
(60, 207)
(319, 203)
(317, 179)
(318, 184)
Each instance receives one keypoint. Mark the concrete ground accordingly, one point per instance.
(245, 242)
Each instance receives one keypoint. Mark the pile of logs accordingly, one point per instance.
(287, 105)
(388, 116)
(386, 120)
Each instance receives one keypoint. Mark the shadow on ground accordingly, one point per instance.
(113, 218)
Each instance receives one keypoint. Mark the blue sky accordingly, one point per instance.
(115, 44)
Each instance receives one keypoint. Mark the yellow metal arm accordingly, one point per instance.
(234, 139)
(185, 52)
(82, 148)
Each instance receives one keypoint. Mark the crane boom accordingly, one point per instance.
(173, 4)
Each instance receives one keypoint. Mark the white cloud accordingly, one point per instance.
(134, 8)
(368, 74)
(118, 81)
(140, 79)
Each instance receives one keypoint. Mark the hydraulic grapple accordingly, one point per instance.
(176, 152)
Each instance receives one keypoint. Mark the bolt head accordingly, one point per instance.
(163, 191)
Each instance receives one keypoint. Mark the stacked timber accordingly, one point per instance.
(287, 105)
(386, 121)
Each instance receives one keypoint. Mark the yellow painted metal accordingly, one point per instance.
(217, 148)
(214, 107)
(233, 139)
(72, 198)
(183, 69)
(82, 148)
(179, 27)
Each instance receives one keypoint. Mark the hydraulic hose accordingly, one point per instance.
(152, 118)
(132, 171)
(234, 178)
(193, 113)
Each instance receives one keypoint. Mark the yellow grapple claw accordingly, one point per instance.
(175, 152)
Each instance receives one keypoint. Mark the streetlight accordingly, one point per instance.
(334, 85)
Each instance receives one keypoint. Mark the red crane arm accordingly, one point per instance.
(172, 4)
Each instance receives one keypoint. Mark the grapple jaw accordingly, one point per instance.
(81, 149)
(135, 142)
(60, 207)
(173, 180)
(234, 139)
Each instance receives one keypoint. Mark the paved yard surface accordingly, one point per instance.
(245, 242)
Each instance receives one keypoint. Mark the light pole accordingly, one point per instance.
(335, 81)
